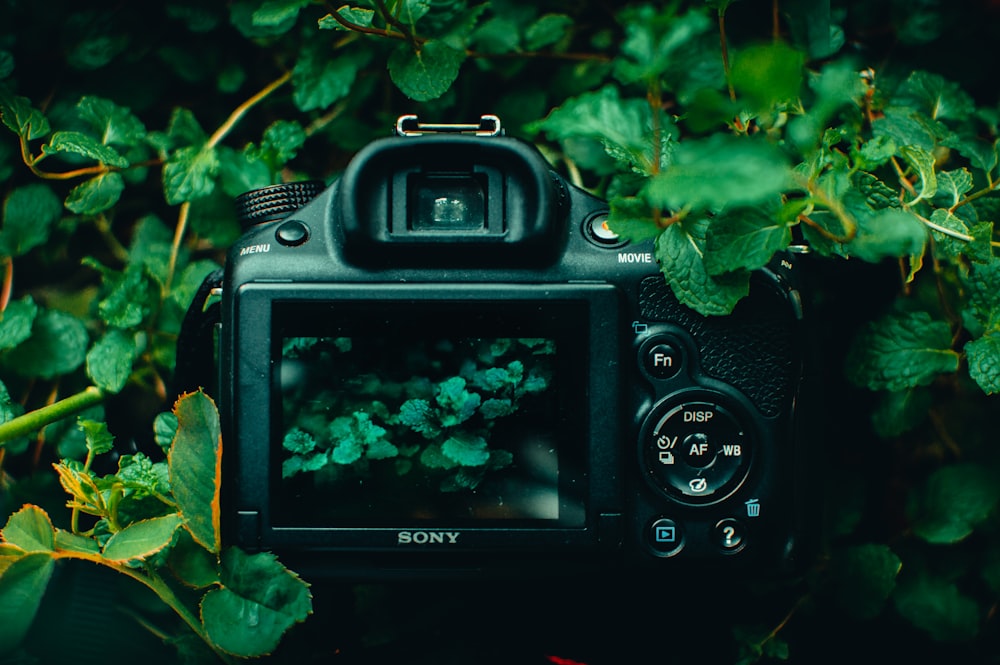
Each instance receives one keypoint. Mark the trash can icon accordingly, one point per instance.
(753, 508)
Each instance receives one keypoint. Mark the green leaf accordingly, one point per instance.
(743, 238)
(16, 321)
(358, 16)
(190, 174)
(194, 461)
(939, 608)
(901, 350)
(30, 529)
(426, 73)
(85, 145)
(953, 502)
(767, 75)
(862, 578)
(319, 80)
(192, 564)
(632, 219)
(984, 361)
(113, 124)
(982, 312)
(258, 602)
(99, 439)
(96, 195)
(653, 39)
(28, 215)
(21, 118)
(721, 171)
(67, 541)
(888, 233)
(935, 96)
(466, 449)
(22, 587)
(922, 161)
(900, 411)
(547, 30)
(680, 251)
(142, 539)
(278, 12)
(109, 361)
(57, 346)
(622, 126)
(165, 429)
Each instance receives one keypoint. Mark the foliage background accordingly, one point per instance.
(132, 126)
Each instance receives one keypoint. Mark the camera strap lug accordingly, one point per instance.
(409, 125)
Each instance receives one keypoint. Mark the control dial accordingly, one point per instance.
(695, 450)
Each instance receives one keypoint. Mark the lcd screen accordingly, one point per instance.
(431, 413)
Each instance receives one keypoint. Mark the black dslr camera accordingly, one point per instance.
(445, 362)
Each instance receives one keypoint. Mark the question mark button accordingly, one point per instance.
(730, 535)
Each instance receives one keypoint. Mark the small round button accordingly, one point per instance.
(665, 537)
(661, 361)
(292, 233)
(597, 231)
(730, 535)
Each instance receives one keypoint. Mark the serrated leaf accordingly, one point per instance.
(653, 38)
(935, 96)
(983, 355)
(862, 578)
(96, 194)
(109, 361)
(983, 310)
(922, 161)
(953, 186)
(194, 463)
(192, 564)
(15, 322)
(113, 124)
(901, 350)
(22, 587)
(466, 449)
(57, 346)
(680, 251)
(142, 539)
(319, 80)
(953, 502)
(278, 12)
(721, 171)
(67, 541)
(190, 174)
(622, 126)
(939, 608)
(632, 219)
(29, 213)
(889, 233)
(259, 600)
(743, 238)
(21, 118)
(78, 143)
(358, 16)
(98, 439)
(30, 530)
(426, 73)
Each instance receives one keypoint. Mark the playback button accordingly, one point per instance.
(665, 537)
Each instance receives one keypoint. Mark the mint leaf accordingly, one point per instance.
(680, 250)
(653, 39)
(984, 361)
(863, 577)
(57, 346)
(99, 439)
(466, 449)
(922, 162)
(887, 234)
(113, 124)
(426, 73)
(15, 322)
(954, 501)
(142, 539)
(190, 174)
(901, 350)
(96, 195)
(721, 171)
(767, 75)
(547, 30)
(743, 238)
(21, 118)
(319, 80)
(939, 608)
(85, 145)
(109, 361)
(29, 213)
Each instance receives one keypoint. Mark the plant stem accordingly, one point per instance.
(724, 43)
(39, 418)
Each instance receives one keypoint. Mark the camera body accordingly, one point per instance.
(444, 363)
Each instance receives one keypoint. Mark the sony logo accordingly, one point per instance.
(426, 537)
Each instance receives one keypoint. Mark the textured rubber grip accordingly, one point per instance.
(270, 204)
